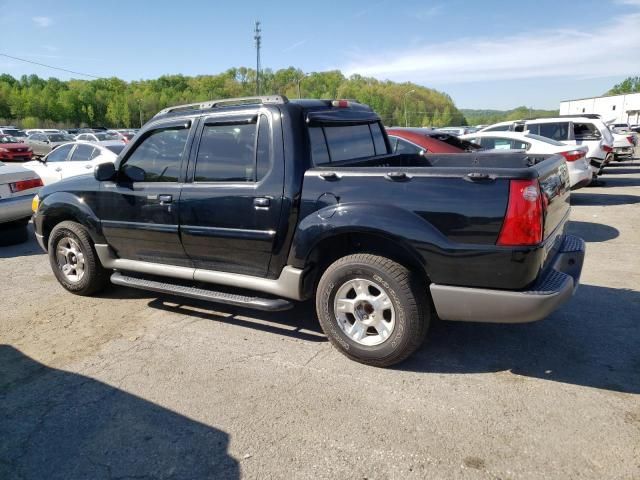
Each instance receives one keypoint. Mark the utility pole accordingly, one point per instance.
(258, 38)
(298, 81)
(140, 111)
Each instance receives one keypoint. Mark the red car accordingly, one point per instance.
(13, 150)
(426, 140)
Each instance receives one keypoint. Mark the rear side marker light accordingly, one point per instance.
(523, 221)
(22, 185)
(607, 148)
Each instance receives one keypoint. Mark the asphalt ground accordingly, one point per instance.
(134, 385)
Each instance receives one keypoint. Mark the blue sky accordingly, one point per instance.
(485, 54)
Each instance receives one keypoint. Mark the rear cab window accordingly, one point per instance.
(330, 143)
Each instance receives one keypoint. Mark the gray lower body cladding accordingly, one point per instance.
(553, 288)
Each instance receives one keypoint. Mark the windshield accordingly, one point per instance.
(8, 139)
(115, 148)
(15, 133)
(550, 141)
(59, 137)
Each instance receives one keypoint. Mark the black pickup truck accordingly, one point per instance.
(277, 201)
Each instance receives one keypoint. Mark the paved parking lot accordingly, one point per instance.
(133, 385)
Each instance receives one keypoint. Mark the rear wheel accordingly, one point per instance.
(74, 260)
(373, 309)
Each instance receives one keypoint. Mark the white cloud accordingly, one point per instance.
(609, 50)
(294, 46)
(42, 21)
(427, 13)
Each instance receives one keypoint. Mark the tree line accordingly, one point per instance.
(32, 102)
(628, 85)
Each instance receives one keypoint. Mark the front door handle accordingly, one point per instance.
(261, 202)
(164, 199)
(58, 169)
(88, 166)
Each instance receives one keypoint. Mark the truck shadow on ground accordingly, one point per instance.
(592, 232)
(595, 199)
(24, 249)
(62, 425)
(592, 341)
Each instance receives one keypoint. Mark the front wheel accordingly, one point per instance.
(373, 309)
(74, 261)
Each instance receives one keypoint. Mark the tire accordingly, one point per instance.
(393, 329)
(89, 276)
(13, 233)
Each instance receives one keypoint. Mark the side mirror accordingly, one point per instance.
(133, 173)
(104, 172)
(42, 160)
(47, 141)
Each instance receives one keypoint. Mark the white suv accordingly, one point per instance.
(589, 131)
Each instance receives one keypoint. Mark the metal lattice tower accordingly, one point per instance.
(258, 38)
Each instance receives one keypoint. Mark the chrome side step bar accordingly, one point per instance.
(288, 285)
(257, 303)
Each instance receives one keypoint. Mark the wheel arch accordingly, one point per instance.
(63, 206)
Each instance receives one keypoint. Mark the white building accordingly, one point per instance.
(613, 109)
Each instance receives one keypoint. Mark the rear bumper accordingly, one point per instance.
(623, 150)
(552, 289)
(15, 208)
(16, 157)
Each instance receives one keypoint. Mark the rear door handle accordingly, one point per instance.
(329, 176)
(58, 169)
(164, 199)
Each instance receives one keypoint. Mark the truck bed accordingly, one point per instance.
(446, 206)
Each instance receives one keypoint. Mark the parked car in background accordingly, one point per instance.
(426, 140)
(43, 143)
(508, 126)
(578, 130)
(457, 130)
(99, 136)
(580, 173)
(14, 132)
(14, 150)
(18, 186)
(71, 159)
(624, 144)
(123, 135)
(46, 131)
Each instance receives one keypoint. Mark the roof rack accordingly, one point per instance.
(227, 102)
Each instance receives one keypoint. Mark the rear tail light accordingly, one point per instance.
(573, 155)
(523, 221)
(607, 148)
(631, 139)
(341, 103)
(22, 185)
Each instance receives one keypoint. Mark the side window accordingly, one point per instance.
(82, 153)
(96, 153)
(263, 153)
(585, 131)
(519, 145)
(407, 147)
(227, 154)
(349, 142)
(533, 129)
(59, 154)
(558, 131)
(160, 154)
(502, 143)
(319, 151)
(378, 139)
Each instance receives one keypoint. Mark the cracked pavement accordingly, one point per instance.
(132, 385)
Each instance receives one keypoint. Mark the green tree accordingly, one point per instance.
(628, 85)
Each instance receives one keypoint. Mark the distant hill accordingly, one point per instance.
(487, 117)
(33, 102)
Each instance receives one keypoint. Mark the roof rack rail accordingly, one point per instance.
(227, 102)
